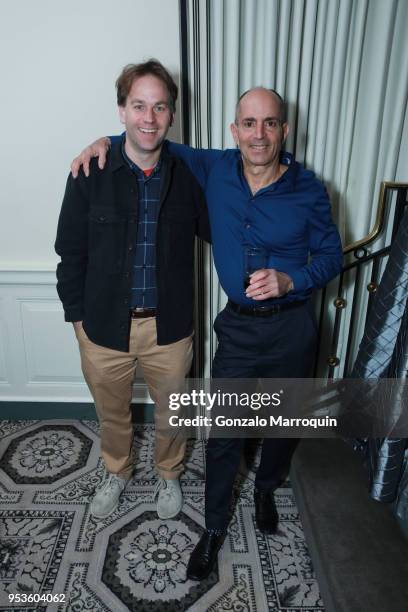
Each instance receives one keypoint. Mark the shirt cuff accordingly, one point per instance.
(300, 283)
(73, 314)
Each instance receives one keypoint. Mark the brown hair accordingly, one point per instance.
(131, 72)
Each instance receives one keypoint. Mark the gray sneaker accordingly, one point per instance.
(170, 498)
(106, 498)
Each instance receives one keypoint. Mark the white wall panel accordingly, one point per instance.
(4, 344)
(39, 357)
(50, 348)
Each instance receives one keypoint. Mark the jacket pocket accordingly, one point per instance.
(107, 237)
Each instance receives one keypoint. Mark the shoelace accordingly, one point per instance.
(107, 483)
(160, 485)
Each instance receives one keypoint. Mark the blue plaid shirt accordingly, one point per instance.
(144, 291)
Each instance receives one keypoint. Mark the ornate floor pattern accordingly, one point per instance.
(50, 545)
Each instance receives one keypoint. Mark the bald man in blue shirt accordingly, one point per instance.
(258, 197)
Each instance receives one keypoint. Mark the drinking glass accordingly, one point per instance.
(255, 258)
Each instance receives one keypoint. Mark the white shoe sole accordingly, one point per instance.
(168, 516)
(103, 516)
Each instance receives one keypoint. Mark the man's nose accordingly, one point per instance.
(149, 115)
(259, 129)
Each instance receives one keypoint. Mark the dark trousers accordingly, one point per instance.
(280, 346)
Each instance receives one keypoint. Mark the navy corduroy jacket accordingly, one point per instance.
(96, 238)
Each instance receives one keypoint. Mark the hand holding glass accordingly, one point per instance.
(255, 258)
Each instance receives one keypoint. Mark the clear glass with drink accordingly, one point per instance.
(255, 258)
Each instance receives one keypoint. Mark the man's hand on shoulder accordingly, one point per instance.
(98, 149)
(268, 283)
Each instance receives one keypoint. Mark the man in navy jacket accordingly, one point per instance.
(258, 196)
(126, 280)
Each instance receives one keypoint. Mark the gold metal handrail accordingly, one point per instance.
(379, 221)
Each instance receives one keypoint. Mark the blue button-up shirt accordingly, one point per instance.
(290, 219)
(144, 290)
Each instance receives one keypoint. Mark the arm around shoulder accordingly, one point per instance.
(200, 161)
(99, 149)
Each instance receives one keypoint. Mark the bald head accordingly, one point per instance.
(256, 92)
(260, 130)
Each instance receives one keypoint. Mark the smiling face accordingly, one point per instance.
(259, 130)
(147, 117)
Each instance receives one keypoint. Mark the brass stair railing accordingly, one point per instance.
(333, 360)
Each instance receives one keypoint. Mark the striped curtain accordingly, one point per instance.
(341, 66)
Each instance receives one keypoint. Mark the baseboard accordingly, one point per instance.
(17, 411)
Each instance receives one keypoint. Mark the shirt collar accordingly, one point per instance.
(286, 159)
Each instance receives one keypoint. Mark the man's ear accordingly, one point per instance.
(172, 117)
(285, 132)
(234, 132)
(121, 111)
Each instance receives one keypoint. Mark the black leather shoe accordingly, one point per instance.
(266, 514)
(204, 555)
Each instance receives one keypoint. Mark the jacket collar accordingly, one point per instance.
(116, 157)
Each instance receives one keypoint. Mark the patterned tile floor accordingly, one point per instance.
(49, 544)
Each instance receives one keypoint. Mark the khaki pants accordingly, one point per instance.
(109, 375)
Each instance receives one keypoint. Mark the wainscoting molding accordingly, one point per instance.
(39, 358)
